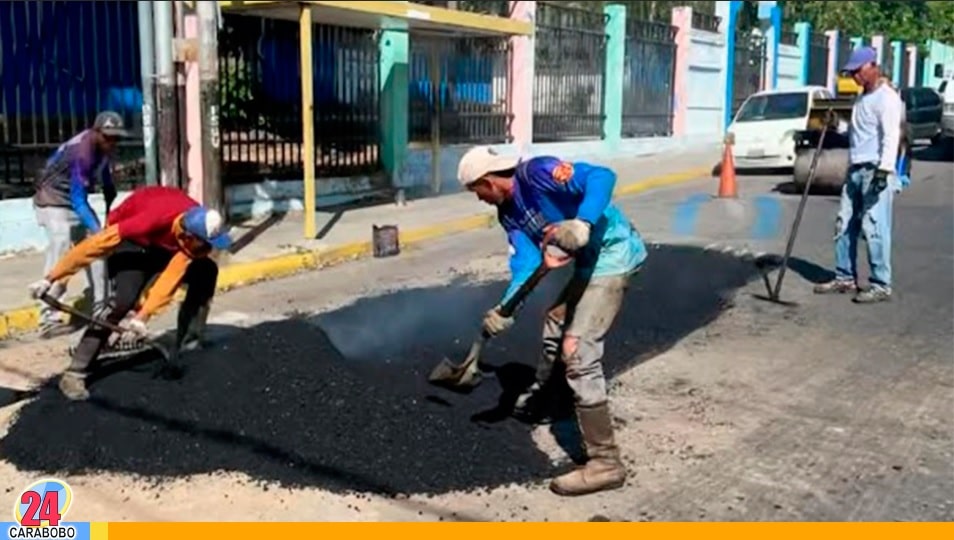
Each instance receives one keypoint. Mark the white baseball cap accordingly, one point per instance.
(481, 160)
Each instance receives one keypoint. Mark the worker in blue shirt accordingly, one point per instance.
(62, 204)
(569, 202)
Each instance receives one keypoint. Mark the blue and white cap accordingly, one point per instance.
(207, 224)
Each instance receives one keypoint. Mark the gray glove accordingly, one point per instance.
(571, 234)
(495, 323)
(39, 288)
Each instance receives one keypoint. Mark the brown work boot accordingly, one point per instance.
(73, 386)
(603, 470)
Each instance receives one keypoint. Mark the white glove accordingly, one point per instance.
(39, 288)
(136, 330)
(572, 234)
(495, 323)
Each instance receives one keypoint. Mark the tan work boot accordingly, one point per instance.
(603, 470)
(73, 386)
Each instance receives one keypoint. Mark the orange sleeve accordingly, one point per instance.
(162, 291)
(85, 252)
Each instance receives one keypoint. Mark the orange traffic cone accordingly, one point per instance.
(727, 185)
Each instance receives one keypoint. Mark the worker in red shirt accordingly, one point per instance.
(156, 231)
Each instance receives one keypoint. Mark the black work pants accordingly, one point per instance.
(130, 269)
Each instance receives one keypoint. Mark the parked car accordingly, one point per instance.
(762, 133)
(924, 109)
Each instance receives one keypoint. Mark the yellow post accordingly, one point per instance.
(307, 118)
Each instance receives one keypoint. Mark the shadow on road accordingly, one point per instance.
(340, 400)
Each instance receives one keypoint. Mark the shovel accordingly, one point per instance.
(169, 367)
(467, 374)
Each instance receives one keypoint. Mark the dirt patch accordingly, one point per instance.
(340, 400)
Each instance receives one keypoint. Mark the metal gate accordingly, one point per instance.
(750, 61)
(649, 69)
(818, 68)
(570, 61)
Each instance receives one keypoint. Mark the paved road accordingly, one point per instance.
(729, 407)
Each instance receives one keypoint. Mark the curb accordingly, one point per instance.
(26, 319)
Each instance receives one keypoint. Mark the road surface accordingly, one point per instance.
(312, 403)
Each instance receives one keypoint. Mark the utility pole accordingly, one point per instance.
(147, 62)
(166, 94)
(213, 193)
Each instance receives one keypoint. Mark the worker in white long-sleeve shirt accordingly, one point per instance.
(868, 194)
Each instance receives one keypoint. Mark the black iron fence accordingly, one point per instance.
(749, 68)
(570, 60)
(459, 90)
(705, 21)
(649, 69)
(844, 52)
(818, 59)
(260, 91)
(788, 37)
(52, 84)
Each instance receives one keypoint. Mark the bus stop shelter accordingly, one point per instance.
(420, 19)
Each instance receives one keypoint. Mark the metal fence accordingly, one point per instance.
(844, 52)
(53, 83)
(705, 21)
(818, 60)
(260, 92)
(750, 56)
(649, 69)
(459, 90)
(569, 73)
(788, 37)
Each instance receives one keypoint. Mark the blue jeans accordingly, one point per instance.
(864, 211)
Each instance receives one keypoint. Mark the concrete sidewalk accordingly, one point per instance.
(275, 247)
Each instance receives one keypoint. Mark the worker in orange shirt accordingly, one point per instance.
(157, 231)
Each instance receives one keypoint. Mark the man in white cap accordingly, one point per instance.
(875, 139)
(572, 201)
(156, 232)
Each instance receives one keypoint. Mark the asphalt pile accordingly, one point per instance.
(281, 403)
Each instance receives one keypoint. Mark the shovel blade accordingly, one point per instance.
(449, 374)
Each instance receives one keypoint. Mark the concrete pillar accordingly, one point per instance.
(394, 49)
(912, 52)
(613, 83)
(682, 20)
(728, 13)
(521, 74)
(834, 61)
(804, 31)
(877, 41)
(193, 117)
(897, 57)
(772, 22)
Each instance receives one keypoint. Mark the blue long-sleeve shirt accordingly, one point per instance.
(70, 175)
(548, 190)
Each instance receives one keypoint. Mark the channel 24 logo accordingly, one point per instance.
(39, 510)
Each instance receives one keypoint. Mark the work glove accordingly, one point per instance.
(136, 331)
(495, 323)
(39, 288)
(572, 234)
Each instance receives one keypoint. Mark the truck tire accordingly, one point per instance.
(830, 173)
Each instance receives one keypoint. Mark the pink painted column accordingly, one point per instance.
(912, 52)
(520, 73)
(193, 117)
(833, 60)
(877, 42)
(682, 20)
